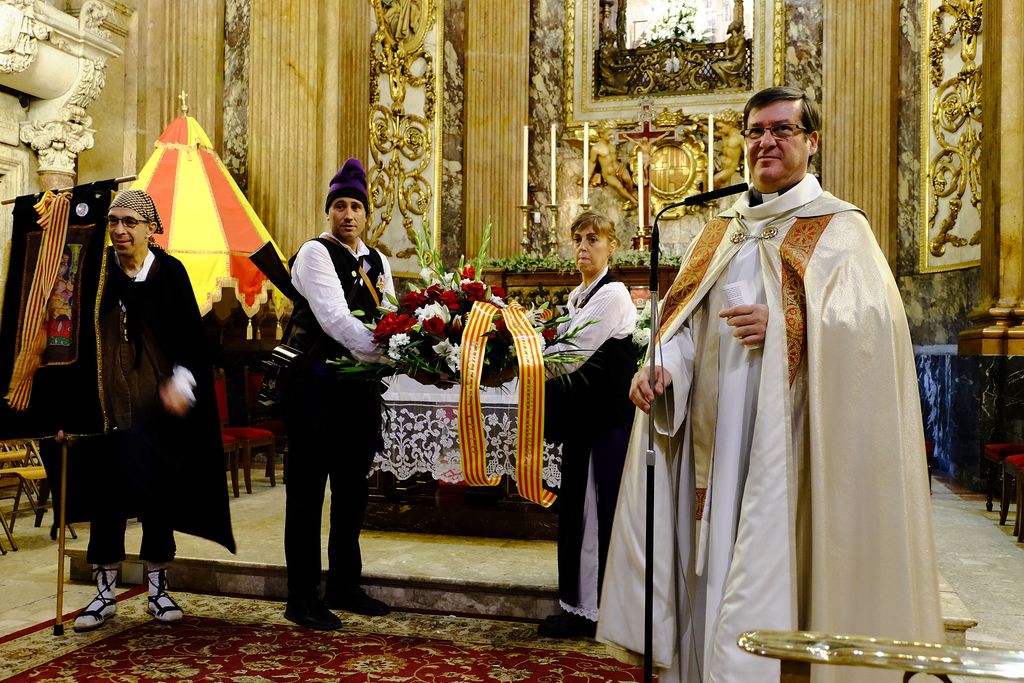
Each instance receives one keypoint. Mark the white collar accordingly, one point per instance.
(360, 250)
(805, 191)
(147, 263)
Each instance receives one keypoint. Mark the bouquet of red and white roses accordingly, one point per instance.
(421, 333)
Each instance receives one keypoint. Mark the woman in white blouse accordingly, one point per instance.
(590, 414)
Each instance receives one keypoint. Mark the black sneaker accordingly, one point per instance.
(358, 602)
(567, 625)
(312, 613)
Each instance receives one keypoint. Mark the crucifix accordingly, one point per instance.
(644, 138)
(183, 97)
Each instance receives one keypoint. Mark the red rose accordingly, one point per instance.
(469, 273)
(414, 300)
(501, 329)
(475, 290)
(548, 333)
(449, 299)
(434, 326)
(498, 292)
(433, 292)
(392, 323)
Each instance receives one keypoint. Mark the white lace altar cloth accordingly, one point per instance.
(421, 433)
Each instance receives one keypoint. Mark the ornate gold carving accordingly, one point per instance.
(779, 42)
(673, 67)
(401, 142)
(951, 143)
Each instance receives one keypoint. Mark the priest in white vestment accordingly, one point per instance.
(791, 479)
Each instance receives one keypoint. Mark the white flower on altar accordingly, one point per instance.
(434, 310)
(396, 344)
(450, 280)
(642, 336)
(450, 352)
(426, 274)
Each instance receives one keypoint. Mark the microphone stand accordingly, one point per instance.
(651, 350)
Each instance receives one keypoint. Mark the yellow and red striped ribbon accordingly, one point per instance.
(530, 442)
(472, 446)
(53, 212)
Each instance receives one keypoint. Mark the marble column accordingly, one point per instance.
(998, 328)
(859, 111)
(497, 102)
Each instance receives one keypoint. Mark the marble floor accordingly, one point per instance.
(980, 560)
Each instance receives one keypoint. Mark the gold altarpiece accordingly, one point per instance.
(673, 85)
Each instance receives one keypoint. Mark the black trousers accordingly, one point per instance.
(608, 453)
(333, 433)
(106, 540)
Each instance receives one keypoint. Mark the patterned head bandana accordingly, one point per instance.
(141, 203)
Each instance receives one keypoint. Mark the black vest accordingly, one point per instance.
(596, 395)
(307, 335)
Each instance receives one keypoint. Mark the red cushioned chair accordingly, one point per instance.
(255, 417)
(1013, 469)
(995, 454)
(249, 439)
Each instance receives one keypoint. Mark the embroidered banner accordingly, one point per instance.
(53, 219)
(471, 421)
(530, 444)
(52, 315)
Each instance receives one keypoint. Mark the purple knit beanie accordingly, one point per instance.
(349, 181)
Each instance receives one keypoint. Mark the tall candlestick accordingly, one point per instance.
(746, 165)
(711, 152)
(586, 162)
(554, 163)
(640, 189)
(526, 164)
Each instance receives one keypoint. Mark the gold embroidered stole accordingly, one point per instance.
(796, 250)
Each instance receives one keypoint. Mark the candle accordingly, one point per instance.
(640, 189)
(746, 165)
(526, 164)
(711, 152)
(554, 163)
(586, 162)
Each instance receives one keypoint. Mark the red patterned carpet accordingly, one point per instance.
(248, 641)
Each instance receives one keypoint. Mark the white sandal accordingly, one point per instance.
(101, 608)
(161, 605)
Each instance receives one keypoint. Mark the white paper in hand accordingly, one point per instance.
(737, 294)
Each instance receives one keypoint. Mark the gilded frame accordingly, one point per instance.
(580, 104)
(949, 235)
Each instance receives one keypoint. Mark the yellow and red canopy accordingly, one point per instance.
(208, 223)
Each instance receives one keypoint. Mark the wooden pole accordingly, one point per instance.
(58, 624)
(123, 179)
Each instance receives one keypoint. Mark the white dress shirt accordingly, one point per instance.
(611, 313)
(315, 278)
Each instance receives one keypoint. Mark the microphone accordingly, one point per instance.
(705, 197)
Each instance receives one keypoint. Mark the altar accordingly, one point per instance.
(416, 481)
(421, 433)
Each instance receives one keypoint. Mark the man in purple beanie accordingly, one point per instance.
(333, 422)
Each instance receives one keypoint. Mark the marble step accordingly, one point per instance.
(487, 577)
(453, 589)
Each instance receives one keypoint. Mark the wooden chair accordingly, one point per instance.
(249, 439)
(255, 416)
(994, 455)
(22, 471)
(231, 459)
(1013, 470)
